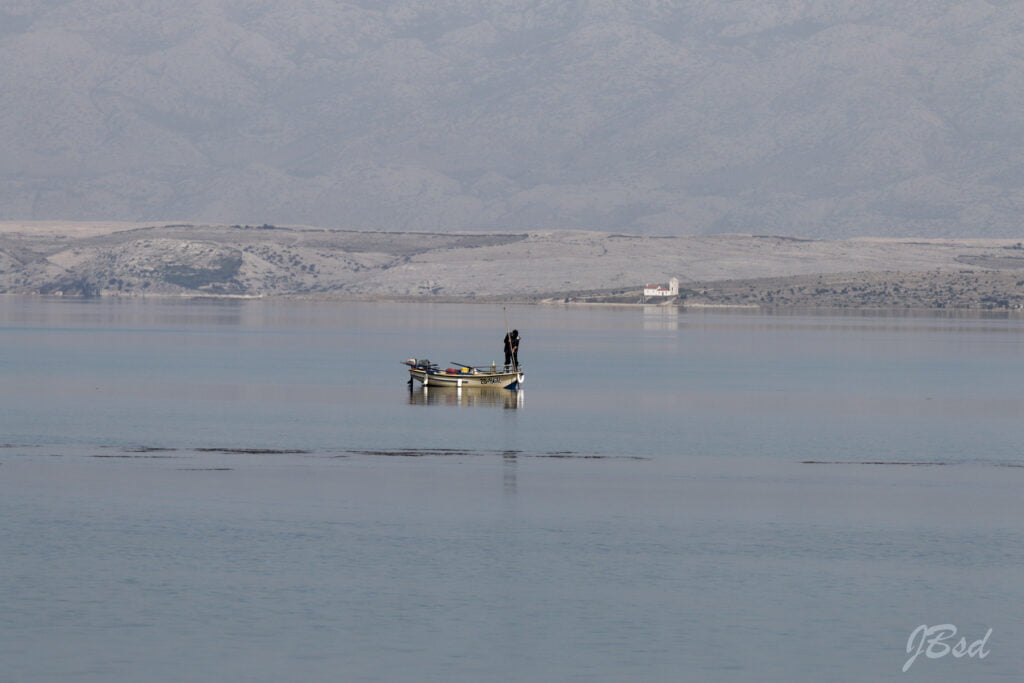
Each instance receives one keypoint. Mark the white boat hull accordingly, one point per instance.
(476, 377)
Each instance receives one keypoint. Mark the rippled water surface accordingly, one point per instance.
(249, 490)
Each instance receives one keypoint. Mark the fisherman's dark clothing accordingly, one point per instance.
(512, 349)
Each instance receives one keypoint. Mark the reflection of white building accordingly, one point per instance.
(661, 317)
(658, 290)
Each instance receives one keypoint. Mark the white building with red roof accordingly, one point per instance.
(658, 290)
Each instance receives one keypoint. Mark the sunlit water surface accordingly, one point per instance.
(248, 490)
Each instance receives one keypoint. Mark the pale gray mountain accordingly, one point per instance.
(832, 118)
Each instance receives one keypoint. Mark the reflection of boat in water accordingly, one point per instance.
(469, 396)
(430, 374)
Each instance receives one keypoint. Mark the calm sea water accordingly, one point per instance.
(248, 490)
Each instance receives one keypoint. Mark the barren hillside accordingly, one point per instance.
(273, 261)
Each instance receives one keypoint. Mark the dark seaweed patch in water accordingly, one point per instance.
(204, 469)
(415, 453)
(399, 454)
(907, 463)
(251, 451)
(148, 449)
(571, 456)
(508, 455)
(873, 462)
(137, 457)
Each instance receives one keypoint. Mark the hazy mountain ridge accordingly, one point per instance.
(836, 118)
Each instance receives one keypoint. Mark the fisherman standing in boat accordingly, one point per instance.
(512, 349)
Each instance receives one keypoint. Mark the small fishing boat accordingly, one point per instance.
(464, 375)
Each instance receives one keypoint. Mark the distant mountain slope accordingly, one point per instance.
(829, 119)
(195, 260)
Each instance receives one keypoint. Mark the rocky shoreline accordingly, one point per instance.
(967, 290)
